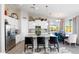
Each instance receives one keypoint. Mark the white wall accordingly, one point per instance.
(74, 26)
(77, 28)
(0, 28)
(23, 25)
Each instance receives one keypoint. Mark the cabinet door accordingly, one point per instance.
(44, 25)
(18, 38)
(38, 23)
(12, 21)
(31, 25)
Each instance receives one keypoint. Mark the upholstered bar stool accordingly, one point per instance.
(28, 42)
(40, 42)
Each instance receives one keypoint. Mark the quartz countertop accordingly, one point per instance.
(43, 34)
(34, 35)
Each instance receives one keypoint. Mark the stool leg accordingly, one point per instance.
(44, 48)
(24, 48)
(37, 48)
(27, 47)
(32, 47)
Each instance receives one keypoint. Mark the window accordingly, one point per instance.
(54, 28)
(69, 26)
(54, 25)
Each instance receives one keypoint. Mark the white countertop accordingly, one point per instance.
(45, 35)
(34, 35)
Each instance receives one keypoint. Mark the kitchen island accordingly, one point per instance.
(47, 37)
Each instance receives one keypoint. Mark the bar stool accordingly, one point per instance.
(40, 42)
(28, 42)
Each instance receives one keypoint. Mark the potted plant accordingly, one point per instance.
(38, 30)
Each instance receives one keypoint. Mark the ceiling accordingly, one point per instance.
(53, 10)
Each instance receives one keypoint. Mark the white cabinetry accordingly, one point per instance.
(31, 25)
(12, 21)
(43, 24)
(37, 22)
(18, 38)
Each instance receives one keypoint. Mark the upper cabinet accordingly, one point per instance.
(13, 22)
(31, 25)
(43, 24)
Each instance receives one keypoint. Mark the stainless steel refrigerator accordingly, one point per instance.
(9, 37)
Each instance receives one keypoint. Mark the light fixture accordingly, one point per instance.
(57, 20)
(57, 15)
(34, 6)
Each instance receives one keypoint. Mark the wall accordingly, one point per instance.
(23, 25)
(77, 28)
(74, 25)
(0, 28)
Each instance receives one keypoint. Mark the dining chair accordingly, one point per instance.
(60, 37)
(28, 42)
(54, 41)
(71, 39)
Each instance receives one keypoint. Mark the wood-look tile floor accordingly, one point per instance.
(19, 49)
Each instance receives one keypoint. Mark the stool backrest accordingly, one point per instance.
(28, 40)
